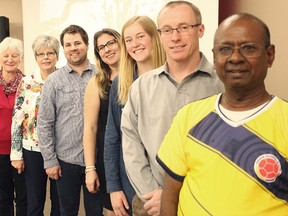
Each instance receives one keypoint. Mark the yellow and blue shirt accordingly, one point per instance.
(228, 169)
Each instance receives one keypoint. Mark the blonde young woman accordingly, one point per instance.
(141, 52)
(107, 53)
(25, 151)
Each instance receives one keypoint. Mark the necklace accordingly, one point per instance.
(237, 116)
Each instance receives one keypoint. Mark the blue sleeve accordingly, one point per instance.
(112, 144)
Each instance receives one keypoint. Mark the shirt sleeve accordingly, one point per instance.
(46, 124)
(171, 154)
(135, 156)
(17, 120)
(112, 145)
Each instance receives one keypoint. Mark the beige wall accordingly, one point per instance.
(12, 9)
(274, 14)
(52, 16)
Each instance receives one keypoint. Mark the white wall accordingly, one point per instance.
(13, 11)
(52, 16)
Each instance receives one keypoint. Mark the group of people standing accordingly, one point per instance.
(49, 123)
(20, 100)
(99, 127)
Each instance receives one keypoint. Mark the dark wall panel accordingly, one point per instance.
(226, 8)
(4, 27)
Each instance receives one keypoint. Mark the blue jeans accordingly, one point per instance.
(36, 181)
(69, 186)
(10, 180)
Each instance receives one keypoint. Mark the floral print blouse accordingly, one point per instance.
(24, 120)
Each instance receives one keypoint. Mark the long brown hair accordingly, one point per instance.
(103, 70)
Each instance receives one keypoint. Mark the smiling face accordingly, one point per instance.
(110, 54)
(138, 43)
(47, 62)
(180, 46)
(75, 49)
(237, 71)
(10, 60)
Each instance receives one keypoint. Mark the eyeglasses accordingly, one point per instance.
(48, 54)
(248, 50)
(182, 29)
(109, 44)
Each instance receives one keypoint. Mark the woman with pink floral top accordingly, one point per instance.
(25, 152)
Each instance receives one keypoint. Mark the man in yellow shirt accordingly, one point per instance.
(227, 154)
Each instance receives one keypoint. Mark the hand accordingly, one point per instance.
(92, 181)
(54, 172)
(19, 165)
(119, 203)
(153, 204)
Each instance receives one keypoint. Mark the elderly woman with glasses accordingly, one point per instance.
(25, 152)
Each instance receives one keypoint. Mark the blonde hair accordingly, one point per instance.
(103, 70)
(128, 64)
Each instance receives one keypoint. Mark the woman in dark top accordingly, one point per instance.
(107, 53)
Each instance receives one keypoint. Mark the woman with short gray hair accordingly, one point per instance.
(25, 150)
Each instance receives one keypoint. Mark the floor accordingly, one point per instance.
(48, 204)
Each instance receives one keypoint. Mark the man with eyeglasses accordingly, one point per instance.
(61, 121)
(227, 154)
(155, 98)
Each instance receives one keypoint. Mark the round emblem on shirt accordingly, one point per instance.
(267, 167)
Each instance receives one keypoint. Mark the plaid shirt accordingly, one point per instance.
(60, 119)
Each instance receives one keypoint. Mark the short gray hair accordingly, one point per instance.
(45, 41)
(194, 8)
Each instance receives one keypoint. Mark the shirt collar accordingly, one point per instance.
(90, 67)
(37, 77)
(204, 67)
